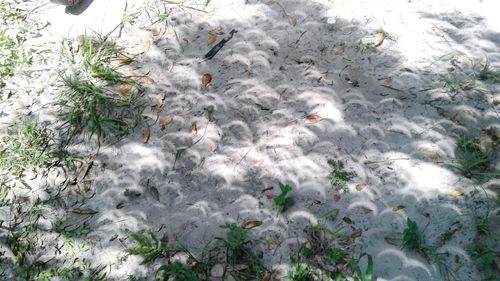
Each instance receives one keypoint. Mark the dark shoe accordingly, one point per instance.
(68, 3)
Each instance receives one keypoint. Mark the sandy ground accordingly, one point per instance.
(287, 62)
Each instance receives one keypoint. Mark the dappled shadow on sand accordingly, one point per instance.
(284, 64)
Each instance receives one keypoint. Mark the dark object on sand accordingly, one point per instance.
(219, 45)
(68, 3)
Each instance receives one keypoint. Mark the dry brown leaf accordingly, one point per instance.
(145, 135)
(146, 45)
(212, 38)
(165, 121)
(379, 39)
(388, 81)
(312, 119)
(360, 186)
(337, 196)
(194, 128)
(267, 276)
(397, 208)
(293, 21)
(184, 113)
(155, 31)
(147, 80)
(125, 88)
(206, 79)
(347, 220)
(339, 51)
(251, 224)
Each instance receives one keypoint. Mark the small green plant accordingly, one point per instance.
(283, 201)
(486, 73)
(358, 274)
(148, 246)
(484, 258)
(412, 238)
(301, 273)
(29, 147)
(176, 272)
(473, 161)
(8, 56)
(339, 176)
(235, 240)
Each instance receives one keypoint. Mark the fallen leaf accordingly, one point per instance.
(406, 69)
(359, 186)
(267, 276)
(251, 224)
(165, 121)
(206, 79)
(397, 208)
(293, 21)
(455, 193)
(155, 31)
(185, 40)
(212, 38)
(312, 119)
(194, 128)
(125, 88)
(84, 211)
(145, 135)
(337, 196)
(379, 39)
(146, 79)
(259, 162)
(146, 45)
(347, 220)
(388, 81)
(339, 51)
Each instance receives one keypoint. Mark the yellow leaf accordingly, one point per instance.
(455, 193)
(165, 121)
(251, 224)
(212, 38)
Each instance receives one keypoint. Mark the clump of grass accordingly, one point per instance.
(283, 201)
(176, 271)
(8, 56)
(484, 259)
(473, 161)
(487, 73)
(91, 101)
(148, 246)
(339, 176)
(95, 109)
(28, 148)
(413, 239)
(301, 273)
